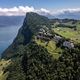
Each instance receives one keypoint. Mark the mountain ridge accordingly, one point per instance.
(30, 57)
(25, 33)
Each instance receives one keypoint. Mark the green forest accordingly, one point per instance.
(44, 49)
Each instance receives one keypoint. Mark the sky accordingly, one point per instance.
(20, 7)
(49, 4)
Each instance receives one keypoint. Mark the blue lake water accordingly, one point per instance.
(7, 35)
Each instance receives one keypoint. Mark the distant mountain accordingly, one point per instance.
(65, 14)
(11, 20)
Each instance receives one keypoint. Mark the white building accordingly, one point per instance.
(68, 44)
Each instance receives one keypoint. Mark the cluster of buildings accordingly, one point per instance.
(44, 34)
(65, 43)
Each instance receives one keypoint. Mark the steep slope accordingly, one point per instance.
(31, 25)
(23, 52)
(32, 61)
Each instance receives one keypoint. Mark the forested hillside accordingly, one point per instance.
(40, 52)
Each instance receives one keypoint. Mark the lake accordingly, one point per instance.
(7, 35)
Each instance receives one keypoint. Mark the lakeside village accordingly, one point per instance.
(45, 34)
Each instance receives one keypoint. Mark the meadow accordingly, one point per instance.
(3, 65)
(68, 33)
(51, 48)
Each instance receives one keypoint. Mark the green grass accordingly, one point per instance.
(3, 65)
(51, 47)
(68, 33)
(78, 25)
